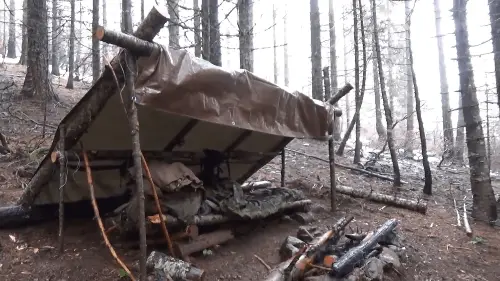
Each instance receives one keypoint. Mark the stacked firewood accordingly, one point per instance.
(337, 253)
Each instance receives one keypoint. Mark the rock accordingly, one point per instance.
(290, 247)
(304, 234)
(397, 250)
(302, 218)
(374, 270)
(389, 258)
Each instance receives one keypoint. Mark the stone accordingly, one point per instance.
(290, 247)
(302, 218)
(389, 258)
(374, 270)
(304, 234)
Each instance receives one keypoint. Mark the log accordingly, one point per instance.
(392, 200)
(382, 177)
(255, 185)
(78, 121)
(133, 44)
(468, 230)
(356, 255)
(202, 242)
(177, 269)
(278, 273)
(18, 216)
(283, 166)
(340, 94)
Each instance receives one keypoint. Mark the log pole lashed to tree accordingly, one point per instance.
(129, 42)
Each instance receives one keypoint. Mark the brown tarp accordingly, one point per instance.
(187, 104)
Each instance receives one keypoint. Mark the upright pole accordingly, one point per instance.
(62, 182)
(331, 154)
(283, 168)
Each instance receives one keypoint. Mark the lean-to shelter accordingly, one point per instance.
(187, 109)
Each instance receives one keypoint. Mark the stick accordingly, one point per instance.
(468, 230)
(346, 167)
(62, 182)
(158, 206)
(333, 181)
(341, 93)
(99, 220)
(459, 223)
(263, 262)
(283, 168)
(135, 45)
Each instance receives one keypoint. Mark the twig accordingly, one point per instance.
(99, 220)
(30, 119)
(263, 262)
(468, 230)
(158, 206)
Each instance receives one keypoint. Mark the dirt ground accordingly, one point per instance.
(436, 249)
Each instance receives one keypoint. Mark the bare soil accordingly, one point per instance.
(436, 249)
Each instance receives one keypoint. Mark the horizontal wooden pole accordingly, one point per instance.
(135, 45)
(341, 93)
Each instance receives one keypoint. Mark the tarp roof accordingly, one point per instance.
(185, 105)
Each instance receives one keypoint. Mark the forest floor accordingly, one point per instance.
(436, 249)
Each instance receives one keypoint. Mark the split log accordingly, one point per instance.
(366, 172)
(255, 185)
(202, 242)
(392, 200)
(468, 230)
(77, 122)
(278, 273)
(356, 255)
(133, 44)
(176, 269)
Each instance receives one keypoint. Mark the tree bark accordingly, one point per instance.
(379, 125)
(24, 43)
(389, 62)
(423, 142)
(333, 66)
(317, 81)
(96, 51)
(205, 29)
(387, 108)
(37, 82)
(126, 22)
(104, 23)
(213, 17)
(445, 100)
(458, 155)
(347, 103)
(245, 23)
(484, 205)
(11, 48)
(55, 43)
(71, 55)
(494, 7)
(286, 71)
(78, 47)
(173, 24)
(197, 31)
(409, 87)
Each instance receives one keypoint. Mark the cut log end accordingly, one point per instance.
(99, 32)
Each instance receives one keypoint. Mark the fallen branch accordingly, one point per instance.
(459, 224)
(204, 241)
(98, 216)
(174, 268)
(346, 167)
(392, 200)
(263, 262)
(468, 230)
(27, 118)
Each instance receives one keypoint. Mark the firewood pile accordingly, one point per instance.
(340, 253)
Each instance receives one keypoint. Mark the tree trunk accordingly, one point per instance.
(11, 49)
(484, 205)
(24, 44)
(387, 108)
(445, 100)
(379, 125)
(275, 48)
(333, 65)
(142, 10)
(494, 6)
(37, 82)
(346, 72)
(286, 71)
(245, 23)
(104, 23)
(96, 52)
(409, 87)
(205, 29)
(71, 55)
(197, 32)
(389, 62)
(126, 23)
(173, 24)
(317, 81)
(214, 42)
(55, 43)
(359, 145)
(460, 141)
(78, 46)
(423, 142)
